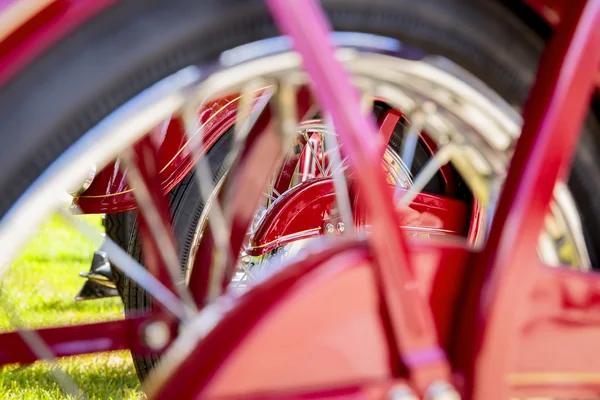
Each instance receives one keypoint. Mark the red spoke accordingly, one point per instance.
(160, 252)
(388, 122)
(309, 164)
(81, 339)
(145, 160)
(249, 176)
(284, 176)
(410, 320)
(253, 163)
(553, 118)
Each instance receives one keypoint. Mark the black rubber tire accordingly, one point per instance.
(135, 43)
(186, 205)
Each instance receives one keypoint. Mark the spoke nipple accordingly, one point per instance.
(329, 228)
(401, 392)
(156, 335)
(340, 227)
(441, 391)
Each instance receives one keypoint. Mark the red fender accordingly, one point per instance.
(176, 157)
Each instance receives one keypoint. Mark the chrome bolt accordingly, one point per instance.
(441, 390)
(340, 227)
(329, 228)
(401, 392)
(157, 335)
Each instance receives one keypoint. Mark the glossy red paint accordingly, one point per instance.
(410, 325)
(301, 213)
(78, 339)
(250, 176)
(541, 319)
(359, 391)
(387, 124)
(297, 214)
(334, 291)
(176, 157)
(557, 341)
(553, 118)
(565, 309)
(263, 309)
(43, 27)
(428, 214)
(324, 357)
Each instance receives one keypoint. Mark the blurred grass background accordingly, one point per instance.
(41, 286)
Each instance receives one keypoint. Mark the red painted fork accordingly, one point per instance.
(411, 328)
(553, 119)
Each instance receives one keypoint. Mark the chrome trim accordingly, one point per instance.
(85, 184)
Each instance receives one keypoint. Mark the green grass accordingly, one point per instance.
(41, 285)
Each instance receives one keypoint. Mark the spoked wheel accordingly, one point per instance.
(459, 138)
(371, 311)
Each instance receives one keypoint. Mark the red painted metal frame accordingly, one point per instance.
(45, 27)
(411, 329)
(256, 305)
(553, 118)
(563, 308)
(336, 292)
(514, 345)
(79, 339)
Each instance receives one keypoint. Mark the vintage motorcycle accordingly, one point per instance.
(345, 199)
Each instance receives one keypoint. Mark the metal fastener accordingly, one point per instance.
(329, 228)
(340, 227)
